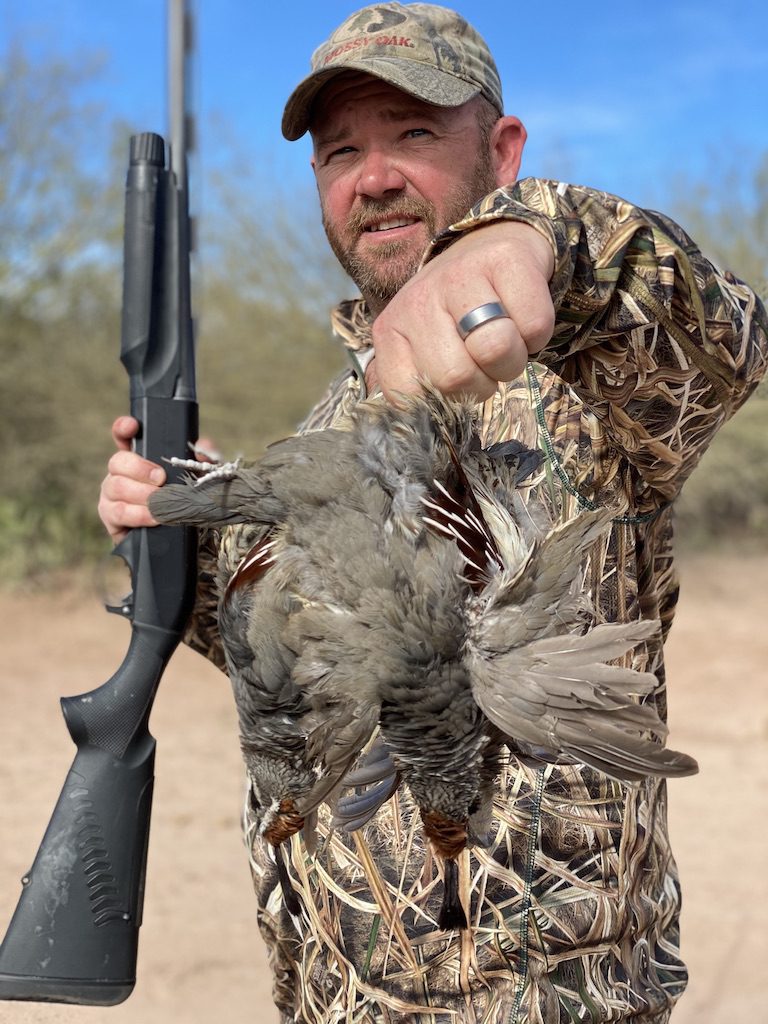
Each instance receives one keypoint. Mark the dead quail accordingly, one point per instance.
(270, 706)
(298, 734)
(407, 584)
(296, 745)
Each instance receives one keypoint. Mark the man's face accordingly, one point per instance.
(392, 172)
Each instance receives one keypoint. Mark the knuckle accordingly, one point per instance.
(117, 513)
(117, 490)
(493, 342)
(379, 327)
(114, 466)
(455, 379)
(109, 491)
(391, 318)
(538, 329)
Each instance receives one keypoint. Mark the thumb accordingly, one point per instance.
(124, 429)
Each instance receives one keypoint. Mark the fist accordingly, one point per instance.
(128, 484)
(417, 334)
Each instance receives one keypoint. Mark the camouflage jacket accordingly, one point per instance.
(575, 904)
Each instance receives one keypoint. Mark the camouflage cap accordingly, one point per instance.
(427, 51)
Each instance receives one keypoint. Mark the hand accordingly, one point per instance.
(130, 480)
(417, 335)
(128, 484)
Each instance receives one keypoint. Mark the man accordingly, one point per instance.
(642, 349)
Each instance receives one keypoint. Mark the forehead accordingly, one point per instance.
(352, 92)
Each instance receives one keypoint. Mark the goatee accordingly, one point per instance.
(381, 275)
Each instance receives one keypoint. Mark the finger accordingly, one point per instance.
(129, 464)
(123, 502)
(392, 368)
(412, 351)
(372, 377)
(124, 517)
(120, 517)
(498, 349)
(532, 310)
(121, 514)
(517, 278)
(123, 489)
(124, 429)
(489, 353)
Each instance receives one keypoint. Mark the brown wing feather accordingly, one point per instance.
(253, 565)
(454, 511)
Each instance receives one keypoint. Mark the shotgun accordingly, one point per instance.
(74, 935)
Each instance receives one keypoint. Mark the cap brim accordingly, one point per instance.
(420, 80)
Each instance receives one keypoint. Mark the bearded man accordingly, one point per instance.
(587, 328)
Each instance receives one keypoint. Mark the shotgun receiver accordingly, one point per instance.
(74, 935)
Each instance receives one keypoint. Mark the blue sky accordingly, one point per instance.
(622, 97)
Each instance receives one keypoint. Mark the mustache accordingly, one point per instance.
(379, 209)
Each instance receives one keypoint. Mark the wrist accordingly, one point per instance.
(532, 244)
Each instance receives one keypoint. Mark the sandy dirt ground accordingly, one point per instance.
(200, 955)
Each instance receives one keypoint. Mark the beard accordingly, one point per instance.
(381, 275)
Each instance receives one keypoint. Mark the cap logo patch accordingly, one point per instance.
(365, 41)
(387, 18)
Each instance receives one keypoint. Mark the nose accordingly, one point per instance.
(379, 174)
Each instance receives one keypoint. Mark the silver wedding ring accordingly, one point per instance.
(480, 315)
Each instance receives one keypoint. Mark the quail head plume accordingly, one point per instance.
(399, 579)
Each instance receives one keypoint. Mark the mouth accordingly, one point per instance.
(390, 224)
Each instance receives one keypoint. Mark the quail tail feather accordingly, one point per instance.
(558, 694)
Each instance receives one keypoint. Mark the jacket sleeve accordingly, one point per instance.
(660, 344)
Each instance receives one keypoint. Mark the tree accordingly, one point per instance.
(59, 244)
(264, 351)
(727, 214)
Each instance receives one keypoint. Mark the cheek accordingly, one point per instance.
(438, 190)
(335, 200)
(436, 183)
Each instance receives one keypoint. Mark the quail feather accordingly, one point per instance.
(400, 581)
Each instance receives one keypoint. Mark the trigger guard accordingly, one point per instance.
(125, 551)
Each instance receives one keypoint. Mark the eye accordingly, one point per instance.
(417, 133)
(341, 151)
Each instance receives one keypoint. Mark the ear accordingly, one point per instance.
(508, 137)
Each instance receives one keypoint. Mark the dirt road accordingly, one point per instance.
(200, 954)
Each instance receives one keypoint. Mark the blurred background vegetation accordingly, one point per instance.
(263, 287)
